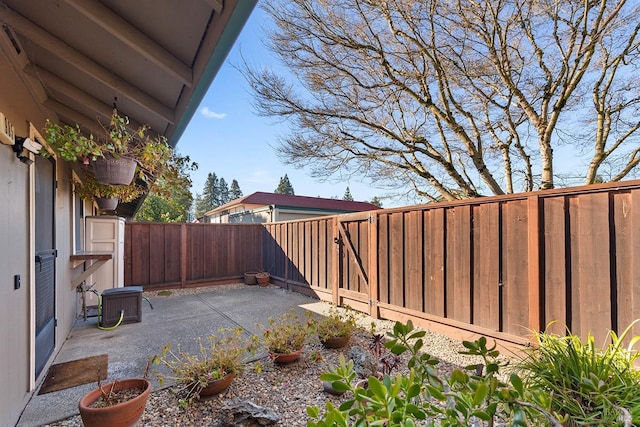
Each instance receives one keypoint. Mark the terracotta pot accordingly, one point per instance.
(217, 386)
(263, 279)
(107, 203)
(336, 342)
(250, 278)
(109, 170)
(286, 358)
(123, 414)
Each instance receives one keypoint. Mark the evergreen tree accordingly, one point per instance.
(347, 195)
(223, 192)
(284, 187)
(209, 198)
(235, 192)
(376, 201)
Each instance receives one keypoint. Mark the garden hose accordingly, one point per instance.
(104, 328)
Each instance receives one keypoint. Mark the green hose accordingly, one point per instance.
(110, 328)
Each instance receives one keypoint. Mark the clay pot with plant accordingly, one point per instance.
(285, 336)
(118, 403)
(263, 278)
(220, 358)
(335, 329)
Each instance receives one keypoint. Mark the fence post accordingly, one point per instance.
(534, 261)
(335, 285)
(373, 265)
(183, 255)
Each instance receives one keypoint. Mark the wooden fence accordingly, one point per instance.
(496, 266)
(159, 255)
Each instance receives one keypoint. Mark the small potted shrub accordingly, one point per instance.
(285, 336)
(220, 359)
(334, 330)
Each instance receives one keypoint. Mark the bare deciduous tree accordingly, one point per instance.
(459, 98)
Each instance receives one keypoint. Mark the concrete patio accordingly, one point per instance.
(173, 319)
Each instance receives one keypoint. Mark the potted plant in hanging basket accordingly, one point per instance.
(116, 155)
(334, 330)
(220, 359)
(89, 189)
(119, 403)
(284, 337)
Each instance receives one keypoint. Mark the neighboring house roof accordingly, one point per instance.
(291, 201)
(157, 57)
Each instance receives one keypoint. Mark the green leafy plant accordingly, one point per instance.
(70, 143)
(89, 188)
(336, 323)
(465, 398)
(285, 333)
(590, 385)
(225, 353)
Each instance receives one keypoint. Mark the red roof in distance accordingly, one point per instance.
(261, 198)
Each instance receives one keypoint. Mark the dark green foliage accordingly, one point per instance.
(234, 191)
(347, 195)
(216, 193)
(562, 382)
(284, 187)
(591, 385)
(376, 201)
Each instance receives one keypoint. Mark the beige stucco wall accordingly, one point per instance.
(16, 313)
(14, 304)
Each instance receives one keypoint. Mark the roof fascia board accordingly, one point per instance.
(238, 18)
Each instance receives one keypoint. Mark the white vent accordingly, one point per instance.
(7, 132)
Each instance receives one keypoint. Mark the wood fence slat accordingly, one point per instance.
(434, 261)
(625, 219)
(533, 267)
(413, 278)
(591, 292)
(396, 252)
(486, 271)
(373, 266)
(383, 258)
(555, 265)
(156, 254)
(515, 289)
(458, 274)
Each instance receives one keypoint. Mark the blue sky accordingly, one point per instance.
(228, 138)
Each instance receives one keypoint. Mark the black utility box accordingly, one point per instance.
(115, 300)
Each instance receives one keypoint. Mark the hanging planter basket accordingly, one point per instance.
(107, 204)
(112, 171)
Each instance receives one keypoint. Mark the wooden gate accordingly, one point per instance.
(357, 272)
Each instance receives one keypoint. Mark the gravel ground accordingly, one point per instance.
(286, 389)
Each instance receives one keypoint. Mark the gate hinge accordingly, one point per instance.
(371, 219)
(55, 253)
